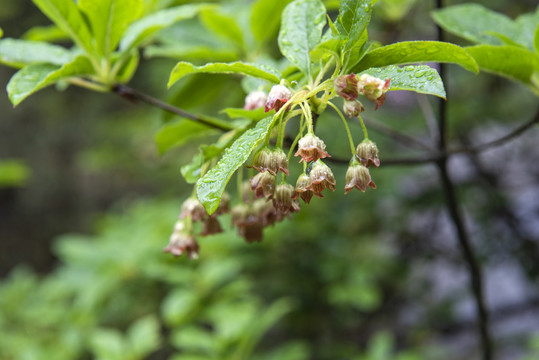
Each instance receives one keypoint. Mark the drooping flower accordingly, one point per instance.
(311, 148)
(373, 88)
(248, 223)
(182, 242)
(263, 184)
(347, 86)
(271, 161)
(301, 189)
(224, 205)
(283, 201)
(211, 226)
(352, 108)
(358, 176)
(321, 177)
(194, 209)
(367, 153)
(277, 97)
(255, 100)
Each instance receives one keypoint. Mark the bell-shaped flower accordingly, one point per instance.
(301, 190)
(248, 223)
(254, 100)
(347, 86)
(271, 161)
(367, 153)
(283, 201)
(352, 108)
(311, 148)
(358, 176)
(182, 242)
(211, 226)
(263, 184)
(373, 88)
(194, 209)
(277, 97)
(321, 178)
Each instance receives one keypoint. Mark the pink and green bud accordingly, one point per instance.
(321, 178)
(367, 153)
(352, 108)
(373, 88)
(311, 148)
(277, 97)
(255, 100)
(358, 176)
(346, 86)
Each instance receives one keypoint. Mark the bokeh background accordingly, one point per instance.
(87, 203)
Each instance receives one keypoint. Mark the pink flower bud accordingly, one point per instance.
(373, 88)
(367, 153)
(358, 176)
(352, 108)
(347, 86)
(255, 100)
(311, 148)
(277, 97)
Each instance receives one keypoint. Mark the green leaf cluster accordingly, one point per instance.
(504, 46)
(105, 34)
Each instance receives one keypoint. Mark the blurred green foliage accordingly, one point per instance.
(332, 283)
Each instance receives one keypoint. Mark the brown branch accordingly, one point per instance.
(474, 268)
(402, 138)
(134, 96)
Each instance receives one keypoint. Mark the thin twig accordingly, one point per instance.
(428, 114)
(457, 218)
(502, 140)
(133, 95)
(402, 138)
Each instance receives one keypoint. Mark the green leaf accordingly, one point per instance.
(144, 336)
(178, 133)
(145, 27)
(32, 78)
(301, 31)
(109, 19)
(509, 61)
(192, 171)
(48, 33)
(222, 25)
(18, 53)
(240, 113)
(527, 25)
(409, 52)
(354, 16)
(107, 344)
(474, 22)
(66, 15)
(266, 17)
(331, 46)
(536, 40)
(210, 188)
(1, 32)
(256, 70)
(129, 68)
(189, 40)
(421, 79)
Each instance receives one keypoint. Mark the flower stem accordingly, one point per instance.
(363, 127)
(88, 84)
(350, 140)
(299, 136)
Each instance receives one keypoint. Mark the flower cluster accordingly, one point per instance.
(267, 197)
(183, 238)
(350, 86)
